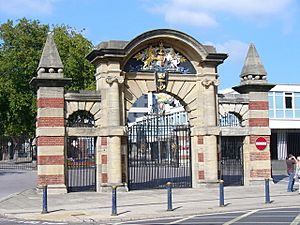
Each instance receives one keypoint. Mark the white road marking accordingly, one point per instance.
(16, 221)
(296, 220)
(240, 217)
(183, 219)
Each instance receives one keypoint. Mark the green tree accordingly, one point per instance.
(73, 48)
(21, 46)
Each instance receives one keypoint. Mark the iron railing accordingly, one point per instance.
(230, 120)
(231, 161)
(81, 164)
(17, 153)
(158, 152)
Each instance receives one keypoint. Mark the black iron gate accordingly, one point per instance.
(81, 164)
(231, 161)
(159, 152)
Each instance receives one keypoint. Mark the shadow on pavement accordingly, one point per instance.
(6, 172)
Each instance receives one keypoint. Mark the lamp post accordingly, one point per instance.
(9, 149)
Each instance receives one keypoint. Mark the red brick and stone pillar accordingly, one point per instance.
(258, 121)
(257, 161)
(50, 124)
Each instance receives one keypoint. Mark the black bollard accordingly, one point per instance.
(169, 188)
(45, 204)
(267, 191)
(114, 201)
(221, 200)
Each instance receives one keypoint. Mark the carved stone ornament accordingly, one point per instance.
(111, 79)
(206, 82)
(125, 129)
(161, 80)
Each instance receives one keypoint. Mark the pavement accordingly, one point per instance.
(92, 207)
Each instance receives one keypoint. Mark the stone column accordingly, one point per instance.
(210, 83)
(114, 140)
(210, 94)
(113, 98)
(115, 165)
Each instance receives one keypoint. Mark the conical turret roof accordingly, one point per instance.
(253, 65)
(50, 57)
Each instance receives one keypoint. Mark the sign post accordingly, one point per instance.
(261, 143)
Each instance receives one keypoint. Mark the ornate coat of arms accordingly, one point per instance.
(160, 59)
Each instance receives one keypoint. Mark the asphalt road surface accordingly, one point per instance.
(7, 221)
(15, 181)
(277, 216)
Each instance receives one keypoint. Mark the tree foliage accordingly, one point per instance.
(73, 48)
(21, 46)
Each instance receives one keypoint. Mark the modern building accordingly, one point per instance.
(284, 114)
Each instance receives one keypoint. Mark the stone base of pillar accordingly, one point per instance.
(107, 188)
(258, 181)
(53, 189)
(207, 184)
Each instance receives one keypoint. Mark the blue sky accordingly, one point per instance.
(272, 25)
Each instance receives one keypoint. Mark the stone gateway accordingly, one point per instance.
(86, 143)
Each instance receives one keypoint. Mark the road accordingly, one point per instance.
(277, 216)
(15, 181)
(7, 221)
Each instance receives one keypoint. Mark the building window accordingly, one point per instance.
(284, 105)
(271, 104)
(288, 100)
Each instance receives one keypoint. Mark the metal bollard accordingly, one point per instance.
(221, 191)
(45, 204)
(169, 188)
(267, 191)
(114, 201)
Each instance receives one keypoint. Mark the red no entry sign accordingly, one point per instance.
(261, 143)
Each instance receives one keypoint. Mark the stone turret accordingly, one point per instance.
(50, 124)
(254, 85)
(50, 59)
(253, 71)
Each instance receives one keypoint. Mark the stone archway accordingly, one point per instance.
(195, 90)
(195, 84)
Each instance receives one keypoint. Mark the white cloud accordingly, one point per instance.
(204, 12)
(240, 7)
(189, 17)
(26, 7)
(236, 50)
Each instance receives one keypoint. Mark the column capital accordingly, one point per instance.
(208, 82)
(111, 79)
